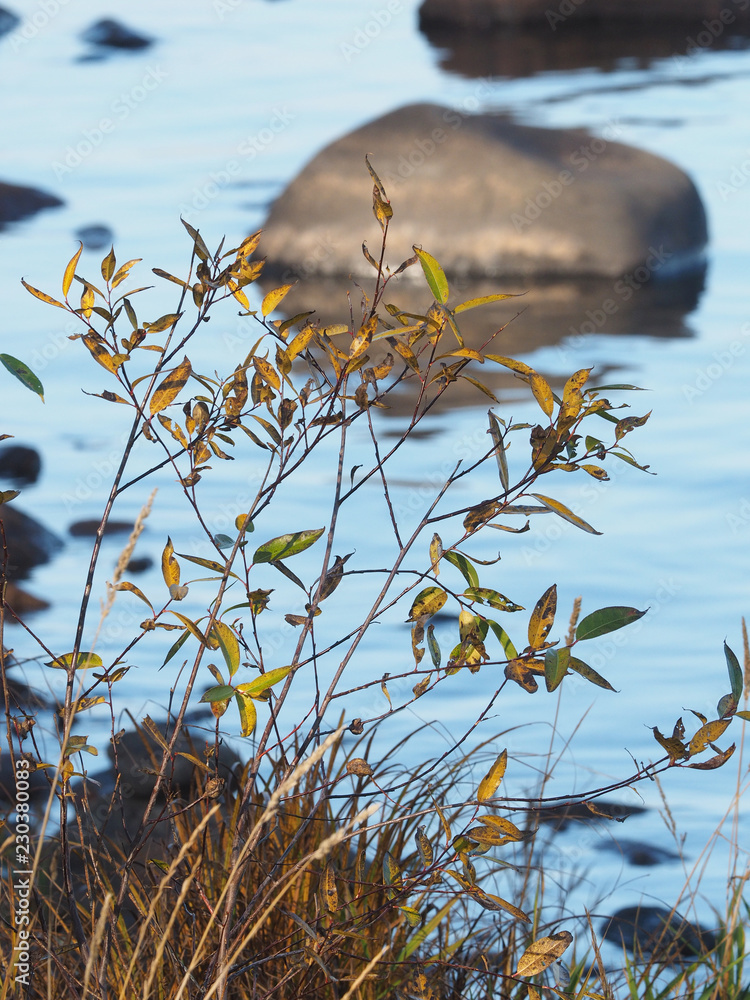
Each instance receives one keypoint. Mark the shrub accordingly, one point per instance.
(323, 866)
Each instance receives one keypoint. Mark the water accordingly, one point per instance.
(212, 122)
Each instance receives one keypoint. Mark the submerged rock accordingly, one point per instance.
(112, 34)
(18, 202)
(488, 198)
(29, 543)
(95, 237)
(20, 464)
(8, 21)
(485, 13)
(657, 931)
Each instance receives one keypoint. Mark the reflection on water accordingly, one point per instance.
(525, 50)
(546, 314)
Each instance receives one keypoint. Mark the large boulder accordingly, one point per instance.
(486, 13)
(17, 202)
(488, 198)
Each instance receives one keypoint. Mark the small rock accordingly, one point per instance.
(657, 931)
(29, 543)
(88, 528)
(17, 202)
(96, 237)
(111, 34)
(20, 464)
(140, 564)
(8, 21)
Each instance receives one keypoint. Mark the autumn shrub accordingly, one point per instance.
(326, 863)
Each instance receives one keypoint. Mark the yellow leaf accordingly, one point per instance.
(299, 342)
(436, 553)
(328, 887)
(274, 297)
(108, 264)
(542, 618)
(542, 953)
(87, 301)
(42, 295)
(502, 826)
(267, 372)
(122, 272)
(491, 781)
(484, 300)
(707, 734)
(542, 393)
(99, 352)
(170, 388)
(248, 713)
(427, 603)
(170, 568)
(70, 271)
(363, 339)
(565, 513)
(434, 275)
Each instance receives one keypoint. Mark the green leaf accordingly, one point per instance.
(83, 661)
(219, 693)
(284, 546)
(427, 603)
(434, 274)
(211, 564)
(175, 648)
(510, 650)
(23, 373)
(464, 565)
(253, 689)
(497, 440)
(564, 512)
(556, 663)
(495, 600)
(606, 620)
(735, 673)
(484, 300)
(432, 645)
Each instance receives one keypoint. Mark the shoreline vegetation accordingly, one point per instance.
(321, 865)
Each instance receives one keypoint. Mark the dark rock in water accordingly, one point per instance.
(96, 237)
(638, 852)
(22, 698)
(20, 464)
(140, 564)
(655, 930)
(111, 34)
(22, 602)
(89, 527)
(138, 756)
(29, 543)
(513, 201)
(561, 816)
(521, 50)
(38, 785)
(486, 13)
(17, 202)
(8, 21)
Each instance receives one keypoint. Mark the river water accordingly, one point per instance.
(211, 122)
